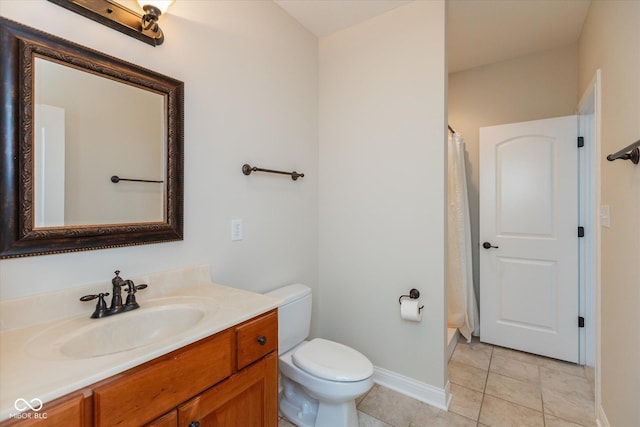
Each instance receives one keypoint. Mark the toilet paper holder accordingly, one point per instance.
(413, 294)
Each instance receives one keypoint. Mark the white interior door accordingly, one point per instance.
(529, 216)
(49, 161)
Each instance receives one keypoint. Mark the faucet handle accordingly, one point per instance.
(91, 297)
(132, 287)
(101, 306)
(131, 303)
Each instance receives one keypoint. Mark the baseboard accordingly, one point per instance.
(434, 396)
(601, 419)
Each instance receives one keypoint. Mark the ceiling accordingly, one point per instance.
(479, 32)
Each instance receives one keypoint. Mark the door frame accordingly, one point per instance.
(589, 126)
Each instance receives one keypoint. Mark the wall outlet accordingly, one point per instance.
(236, 230)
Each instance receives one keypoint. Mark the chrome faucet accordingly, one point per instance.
(116, 298)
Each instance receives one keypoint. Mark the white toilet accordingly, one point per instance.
(319, 379)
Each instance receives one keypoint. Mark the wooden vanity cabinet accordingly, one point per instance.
(228, 379)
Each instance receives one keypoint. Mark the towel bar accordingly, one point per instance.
(246, 169)
(631, 152)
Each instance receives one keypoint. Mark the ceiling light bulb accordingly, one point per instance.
(161, 5)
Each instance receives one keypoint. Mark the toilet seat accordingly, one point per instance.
(332, 361)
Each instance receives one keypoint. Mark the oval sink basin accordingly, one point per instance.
(161, 321)
(130, 330)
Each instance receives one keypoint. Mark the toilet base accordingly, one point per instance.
(305, 411)
(296, 406)
(337, 414)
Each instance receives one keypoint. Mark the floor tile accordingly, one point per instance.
(516, 355)
(590, 373)
(389, 406)
(284, 423)
(465, 402)
(519, 389)
(467, 376)
(500, 413)
(429, 416)
(361, 398)
(567, 396)
(516, 391)
(551, 421)
(478, 356)
(562, 382)
(515, 369)
(561, 366)
(365, 420)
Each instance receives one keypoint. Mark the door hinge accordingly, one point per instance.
(580, 141)
(580, 322)
(580, 231)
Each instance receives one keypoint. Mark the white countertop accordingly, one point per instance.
(32, 366)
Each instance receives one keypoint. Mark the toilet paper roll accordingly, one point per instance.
(410, 309)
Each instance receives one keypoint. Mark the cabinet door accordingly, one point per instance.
(64, 412)
(248, 398)
(167, 420)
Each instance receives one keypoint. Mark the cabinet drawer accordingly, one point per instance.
(256, 338)
(138, 396)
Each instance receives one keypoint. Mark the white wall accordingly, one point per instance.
(538, 86)
(610, 41)
(251, 96)
(382, 181)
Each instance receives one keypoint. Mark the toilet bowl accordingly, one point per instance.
(319, 379)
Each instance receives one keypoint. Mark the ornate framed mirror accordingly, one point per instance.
(92, 148)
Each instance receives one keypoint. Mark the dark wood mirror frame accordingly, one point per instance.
(18, 236)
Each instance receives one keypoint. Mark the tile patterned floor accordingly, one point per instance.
(491, 387)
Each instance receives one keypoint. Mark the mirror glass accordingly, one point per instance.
(92, 148)
(88, 129)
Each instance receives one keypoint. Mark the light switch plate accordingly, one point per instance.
(236, 229)
(605, 217)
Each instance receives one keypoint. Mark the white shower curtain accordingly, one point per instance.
(462, 306)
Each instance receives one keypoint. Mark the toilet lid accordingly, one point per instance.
(332, 361)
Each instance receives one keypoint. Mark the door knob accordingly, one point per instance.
(488, 245)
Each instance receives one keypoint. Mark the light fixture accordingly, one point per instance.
(114, 15)
(152, 11)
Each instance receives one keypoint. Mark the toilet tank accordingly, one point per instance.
(294, 315)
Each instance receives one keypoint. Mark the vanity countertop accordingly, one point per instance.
(32, 365)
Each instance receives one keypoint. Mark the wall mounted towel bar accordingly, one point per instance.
(115, 179)
(632, 152)
(246, 169)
